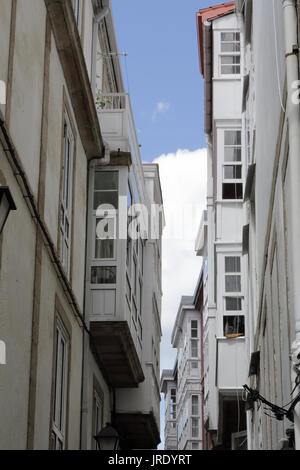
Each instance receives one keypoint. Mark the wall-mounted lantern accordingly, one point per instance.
(6, 205)
(107, 438)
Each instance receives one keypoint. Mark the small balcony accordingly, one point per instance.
(116, 121)
(113, 300)
(137, 413)
(232, 363)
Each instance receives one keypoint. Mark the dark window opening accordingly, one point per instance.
(234, 325)
(232, 191)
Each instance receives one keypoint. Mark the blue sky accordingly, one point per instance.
(160, 38)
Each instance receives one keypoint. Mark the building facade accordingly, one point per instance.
(169, 389)
(183, 386)
(186, 338)
(75, 304)
(225, 333)
(271, 236)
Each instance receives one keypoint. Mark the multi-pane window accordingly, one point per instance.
(194, 348)
(97, 418)
(105, 217)
(104, 247)
(233, 304)
(195, 427)
(173, 404)
(134, 263)
(195, 405)
(232, 187)
(104, 275)
(58, 436)
(106, 193)
(230, 53)
(232, 274)
(194, 328)
(233, 320)
(66, 196)
(234, 325)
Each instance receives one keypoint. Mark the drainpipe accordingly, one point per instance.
(293, 115)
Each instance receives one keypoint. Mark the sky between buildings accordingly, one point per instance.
(162, 75)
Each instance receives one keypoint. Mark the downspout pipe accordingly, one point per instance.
(293, 115)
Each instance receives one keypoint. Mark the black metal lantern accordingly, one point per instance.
(107, 438)
(6, 205)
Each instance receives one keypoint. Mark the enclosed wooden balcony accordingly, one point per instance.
(137, 430)
(115, 348)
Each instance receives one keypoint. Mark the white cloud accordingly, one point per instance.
(162, 107)
(183, 180)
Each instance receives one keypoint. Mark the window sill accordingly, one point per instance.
(225, 338)
(229, 201)
(227, 78)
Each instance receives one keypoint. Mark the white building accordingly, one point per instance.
(271, 234)
(186, 338)
(225, 323)
(79, 315)
(168, 387)
(183, 387)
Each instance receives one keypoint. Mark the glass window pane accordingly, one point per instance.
(195, 405)
(106, 228)
(234, 325)
(230, 60)
(195, 427)
(233, 137)
(232, 154)
(230, 36)
(104, 275)
(105, 197)
(232, 191)
(232, 264)
(104, 249)
(106, 180)
(230, 47)
(233, 303)
(227, 70)
(233, 172)
(194, 348)
(233, 283)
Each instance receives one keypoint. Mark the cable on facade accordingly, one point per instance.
(55, 259)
